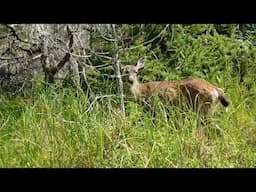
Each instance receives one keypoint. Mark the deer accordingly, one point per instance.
(201, 95)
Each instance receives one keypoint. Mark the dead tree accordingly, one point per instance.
(118, 70)
(49, 69)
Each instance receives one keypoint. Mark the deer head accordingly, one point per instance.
(133, 70)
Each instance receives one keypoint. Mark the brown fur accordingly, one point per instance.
(200, 94)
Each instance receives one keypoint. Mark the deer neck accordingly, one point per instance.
(135, 88)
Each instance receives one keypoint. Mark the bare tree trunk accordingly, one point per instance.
(53, 51)
(50, 70)
(118, 70)
(75, 71)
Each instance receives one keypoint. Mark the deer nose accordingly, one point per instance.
(131, 78)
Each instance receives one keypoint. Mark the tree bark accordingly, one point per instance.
(118, 71)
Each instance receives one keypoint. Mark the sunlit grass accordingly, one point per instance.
(62, 128)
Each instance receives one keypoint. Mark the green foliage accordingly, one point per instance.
(214, 52)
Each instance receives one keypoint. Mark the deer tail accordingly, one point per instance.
(222, 98)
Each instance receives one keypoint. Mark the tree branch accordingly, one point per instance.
(149, 41)
(5, 36)
(118, 71)
(14, 33)
(67, 55)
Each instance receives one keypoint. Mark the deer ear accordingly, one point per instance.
(140, 63)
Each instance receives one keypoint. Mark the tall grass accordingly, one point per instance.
(67, 128)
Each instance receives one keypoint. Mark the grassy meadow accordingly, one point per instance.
(66, 128)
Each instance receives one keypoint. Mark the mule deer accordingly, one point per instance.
(200, 94)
